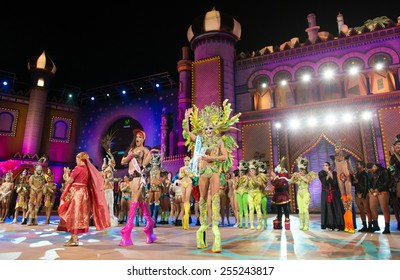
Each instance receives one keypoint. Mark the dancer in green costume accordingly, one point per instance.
(207, 130)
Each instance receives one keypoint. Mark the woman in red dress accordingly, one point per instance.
(83, 197)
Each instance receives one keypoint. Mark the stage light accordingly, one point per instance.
(157, 85)
(328, 73)
(366, 115)
(124, 92)
(278, 125)
(283, 83)
(70, 95)
(353, 70)
(141, 88)
(92, 98)
(5, 83)
(379, 66)
(306, 78)
(108, 95)
(264, 85)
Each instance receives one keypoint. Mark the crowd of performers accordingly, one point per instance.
(207, 184)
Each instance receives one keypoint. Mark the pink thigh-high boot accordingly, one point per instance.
(148, 229)
(127, 229)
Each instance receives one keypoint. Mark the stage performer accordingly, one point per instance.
(155, 183)
(331, 205)
(395, 162)
(242, 193)
(6, 190)
(49, 190)
(343, 167)
(137, 156)
(186, 176)
(303, 179)
(164, 198)
(126, 194)
(362, 185)
(379, 196)
(281, 198)
(36, 184)
(213, 149)
(83, 196)
(22, 198)
(256, 182)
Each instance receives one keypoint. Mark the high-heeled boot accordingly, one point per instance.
(127, 229)
(148, 229)
(185, 224)
(216, 208)
(201, 234)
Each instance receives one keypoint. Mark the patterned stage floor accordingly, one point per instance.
(43, 242)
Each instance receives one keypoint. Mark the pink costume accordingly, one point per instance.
(81, 198)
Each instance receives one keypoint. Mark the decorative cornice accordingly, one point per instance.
(321, 48)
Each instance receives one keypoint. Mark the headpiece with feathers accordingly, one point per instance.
(302, 163)
(397, 139)
(280, 168)
(222, 122)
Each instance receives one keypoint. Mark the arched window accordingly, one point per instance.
(381, 79)
(60, 130)
(262, 94)
(330, 87)
(306, 92)
(6, 122)
(283, 93)
(355, 83)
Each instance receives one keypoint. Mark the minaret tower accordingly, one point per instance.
(42, 71)
(213, 37)
(184, 94)
(340, 22)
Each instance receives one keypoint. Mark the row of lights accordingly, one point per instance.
(123, 92)
(327, 74)
(329, 120)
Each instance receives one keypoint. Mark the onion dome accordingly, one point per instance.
(214, 21)
(42, 62)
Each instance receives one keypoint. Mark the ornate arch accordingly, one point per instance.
(313, 144)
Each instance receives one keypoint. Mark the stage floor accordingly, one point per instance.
(43, 242)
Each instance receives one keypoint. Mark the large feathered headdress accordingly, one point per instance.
(221, 121)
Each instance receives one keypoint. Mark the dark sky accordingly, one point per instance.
(109, 43)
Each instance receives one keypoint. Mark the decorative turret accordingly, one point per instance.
(312, 29)
(214, 21)
(42, 70)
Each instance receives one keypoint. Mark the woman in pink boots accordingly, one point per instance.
(137, 157)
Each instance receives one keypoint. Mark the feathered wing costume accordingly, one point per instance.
(221, 121)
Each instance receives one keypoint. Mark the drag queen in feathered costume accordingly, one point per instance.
(212, 155)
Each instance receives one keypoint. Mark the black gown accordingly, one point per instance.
(332, 210)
